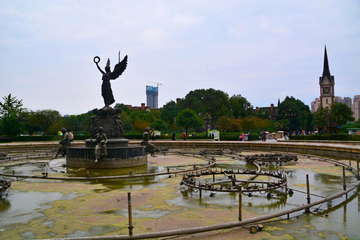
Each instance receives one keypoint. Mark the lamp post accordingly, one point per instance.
(207, 117)
(290, 115)
(20, 119)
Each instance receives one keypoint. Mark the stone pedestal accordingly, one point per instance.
(119, 154)
(117, 157)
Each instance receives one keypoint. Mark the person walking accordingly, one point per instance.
(173, 136)
(184, 135)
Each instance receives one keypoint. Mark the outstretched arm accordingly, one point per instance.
(100, 68)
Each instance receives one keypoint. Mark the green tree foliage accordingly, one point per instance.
(336, 115)
(264, 114)
(239, 106)
(30, 127)
(224, 123)
(159, 124)
(10, 110)
(256, 124)
(214, 102)
(71, 123)
(139, 125)
(49, 120)
(247, 124)
(345, 127)
(188, 118)
(85, 122)
(123, 108)
(9, 126)
(126, 120)
(169, 113)
(302, 120)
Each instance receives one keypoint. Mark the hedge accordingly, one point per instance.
(33, 138)
(5, 139)
(336, 137)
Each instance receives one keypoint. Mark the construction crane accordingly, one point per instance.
(157, 83)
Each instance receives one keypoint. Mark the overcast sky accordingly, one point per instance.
(263, 50)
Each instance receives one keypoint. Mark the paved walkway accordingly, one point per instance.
(355, 145)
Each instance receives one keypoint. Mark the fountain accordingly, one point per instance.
(114, 151)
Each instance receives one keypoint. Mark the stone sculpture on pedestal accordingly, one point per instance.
(100, 148)
(65, 143)
(149, 147)
(107, 142)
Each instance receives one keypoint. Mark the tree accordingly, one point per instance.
(169, 113)
(159, 124)
(209, 101)
(72, 123)
(11, 106)
(247, 124)
(139, 125)
(300, 114)
(188, 118)
(239, 106)
(10, 109)
(336, 115)
(85, 121)
(126, 120)
(123, 108)
(264, 114)
(45, 119)
(224, 123)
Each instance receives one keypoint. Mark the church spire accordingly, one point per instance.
(326, 70)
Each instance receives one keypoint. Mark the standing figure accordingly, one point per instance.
(149, 147)
(100, 148)
(106, 91)
(65, 143)
(263, 136)
(71, 136)
(242, 136)
(184, 136)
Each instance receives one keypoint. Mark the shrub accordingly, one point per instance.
(33, 138)
(335, 137)
(5, 139)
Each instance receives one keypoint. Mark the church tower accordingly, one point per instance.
(326, 83)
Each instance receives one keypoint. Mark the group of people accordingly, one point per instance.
(242, 137)
(173, 137)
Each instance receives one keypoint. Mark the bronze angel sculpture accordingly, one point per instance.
(106, 91)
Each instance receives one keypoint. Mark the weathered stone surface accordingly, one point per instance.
(108, 118)
(117, 157)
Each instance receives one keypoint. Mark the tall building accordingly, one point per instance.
(152, 97)
(338, 99)
(348, 102)
(356, 107)
(327, 93)
(327, 83)
(315, 105)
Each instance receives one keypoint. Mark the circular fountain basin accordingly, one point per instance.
(119, 155)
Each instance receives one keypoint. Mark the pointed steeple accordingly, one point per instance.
(326, 70)
(278, 102)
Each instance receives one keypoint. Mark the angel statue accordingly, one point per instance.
(106, 91)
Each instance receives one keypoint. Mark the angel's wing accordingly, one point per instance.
(119, 68)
